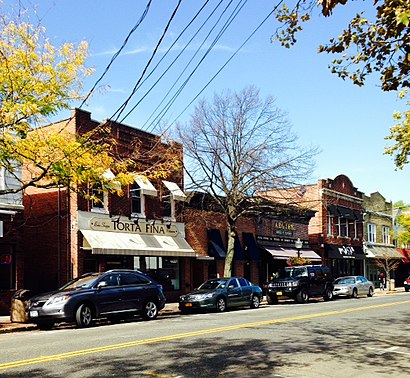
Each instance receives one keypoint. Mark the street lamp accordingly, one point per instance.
(298, 245)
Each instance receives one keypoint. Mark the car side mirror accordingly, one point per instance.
(102, 284)
(230, 287)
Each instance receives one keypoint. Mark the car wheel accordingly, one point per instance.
(150, 310)
(328, 294)
(272, 299)
(354, 293)
(371, 292)
(84, 316)
(255, 303)
(220, 305)
(45, 325)
(302, 296)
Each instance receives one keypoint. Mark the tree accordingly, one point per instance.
(365, 47)
(403, 235)
(37, 80)
(236, 146)
(388, 264)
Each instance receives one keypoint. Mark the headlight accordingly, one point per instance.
(294, 283)
(57, 299)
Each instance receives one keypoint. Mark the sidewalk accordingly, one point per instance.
(7, 326)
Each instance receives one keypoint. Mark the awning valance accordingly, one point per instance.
(378, 252)
(344, 252)
(113, 243)
(283, 253)
(146, 186)
(176, 192)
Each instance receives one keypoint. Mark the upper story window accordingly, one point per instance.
(371, 232)
(141, 188)
(329, 224)
(99, 199)
(170, 194)
(386, 234)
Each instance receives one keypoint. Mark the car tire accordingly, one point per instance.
(354, 293)
(328, 296)
(220, 304)
(272, 299)
(150, 310)
(302, 296)
(84, 316)
(371, 292)
(255, 301)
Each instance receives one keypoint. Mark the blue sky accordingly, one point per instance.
(348, 123)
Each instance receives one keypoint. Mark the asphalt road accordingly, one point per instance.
(367, 337)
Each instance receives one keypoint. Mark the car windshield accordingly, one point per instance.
(81, 282)
(345, 280)
(293, 272)
(212, 284)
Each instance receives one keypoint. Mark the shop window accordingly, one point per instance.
(164, 270)
(371, 232)
(386, 234)
(7, 269)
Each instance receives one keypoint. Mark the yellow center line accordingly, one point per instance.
(62, 356)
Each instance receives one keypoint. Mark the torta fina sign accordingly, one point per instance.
(140, 227)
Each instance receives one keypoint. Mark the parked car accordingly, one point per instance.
(353, 286)
(406, 284)
(98, 295)
(220, 294)
(300, 283)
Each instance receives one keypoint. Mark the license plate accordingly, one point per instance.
(279, 293)
(33, 314)
(188, 304)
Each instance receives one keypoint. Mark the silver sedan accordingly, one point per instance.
(353, 286)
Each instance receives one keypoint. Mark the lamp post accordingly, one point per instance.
(298, 245)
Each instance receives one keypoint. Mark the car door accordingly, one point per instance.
(362, 285)
(234, 293)
(108, 296)
(315, 278)
(246, 291)
(135, 289)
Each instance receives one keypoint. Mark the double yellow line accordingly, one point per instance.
(63, 356)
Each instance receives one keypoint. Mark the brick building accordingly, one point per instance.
(67, 235)
(11, 239)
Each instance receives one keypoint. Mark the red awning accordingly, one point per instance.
(406, 255)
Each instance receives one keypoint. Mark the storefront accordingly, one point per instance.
(344, 260)
(156, 248)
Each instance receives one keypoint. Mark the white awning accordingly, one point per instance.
(113, 243)
(381, 252)
(146, 187)
(282, 253)
(176, 192)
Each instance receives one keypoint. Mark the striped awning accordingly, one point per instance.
(283, 253)
(113, 243)
(378, 252)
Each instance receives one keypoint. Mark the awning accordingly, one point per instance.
(238, 251)
(250, 246)
(215, 247)
(346, 212)
(146, 187)
(333, 210)
(378, 252)
(344, 252)
(118, 243)
(176, 192)
(283, 253)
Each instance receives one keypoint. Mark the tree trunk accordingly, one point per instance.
(230, 251)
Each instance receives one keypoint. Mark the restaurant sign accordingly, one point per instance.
(140, 227)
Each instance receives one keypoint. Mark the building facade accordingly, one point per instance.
(11, 239)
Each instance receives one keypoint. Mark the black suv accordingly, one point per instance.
(300, 283)
(98, 295)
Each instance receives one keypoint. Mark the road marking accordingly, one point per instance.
(62, 356)
(393, 349)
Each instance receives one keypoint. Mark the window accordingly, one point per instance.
(329, 224)
(355, 229)
(243, 282)
(168, 204)
(99, 199)
(371, 232)
(338, 226)
(136, 199)
(164, 270)
(233, 283)
(132, 279)
(386, 234)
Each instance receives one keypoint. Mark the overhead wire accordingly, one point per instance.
(120, 110)
(227, 23)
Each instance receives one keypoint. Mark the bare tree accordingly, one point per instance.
(388, 264)
(239, 145)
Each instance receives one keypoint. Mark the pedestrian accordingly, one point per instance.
(382, 281)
